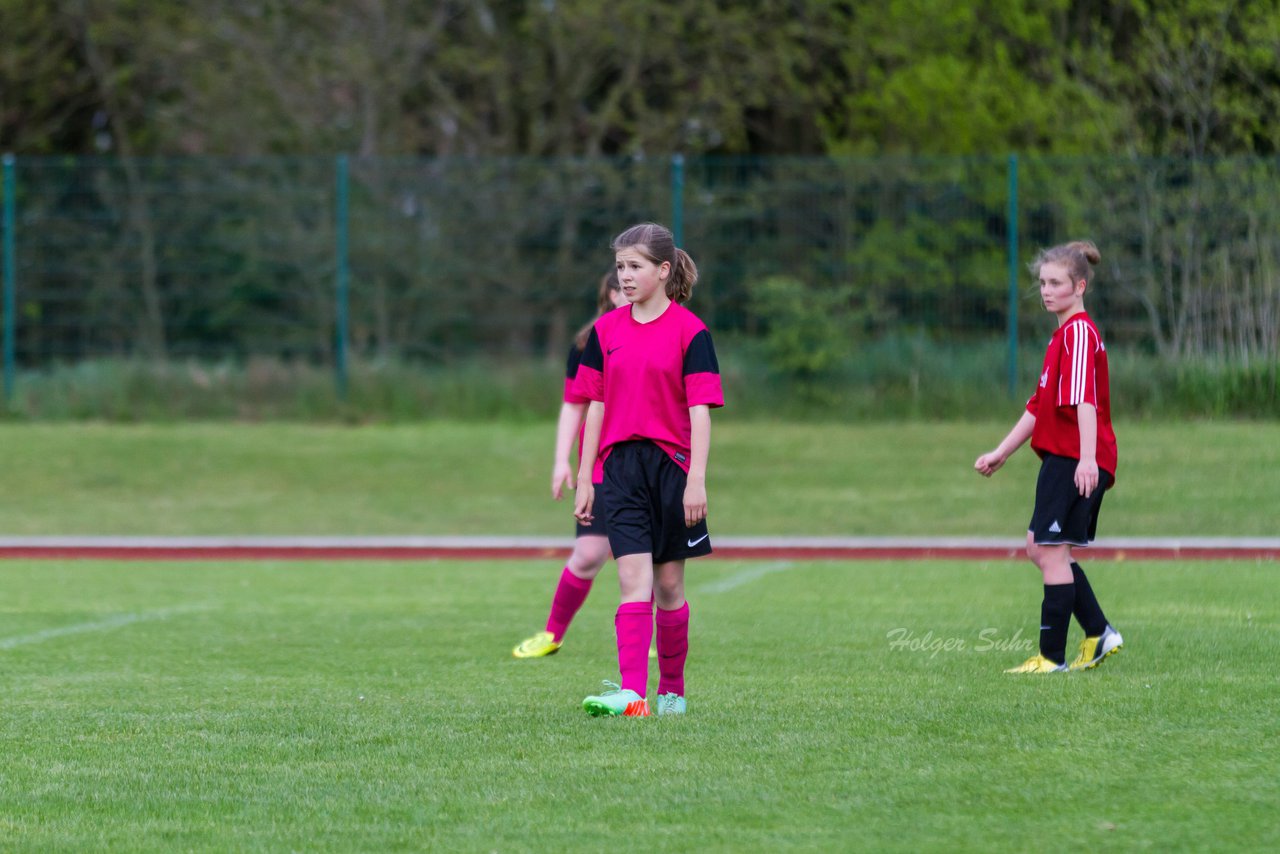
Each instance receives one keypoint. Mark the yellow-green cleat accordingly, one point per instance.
(541, 644)
(1093, 650)
(1038, 664)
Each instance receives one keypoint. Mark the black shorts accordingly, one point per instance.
(596, 527)
(644, 505)
(1062, 515)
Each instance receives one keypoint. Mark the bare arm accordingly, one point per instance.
(590, 446)
(695, 491)
(1087, 469)
(571, 415)
(989, 463)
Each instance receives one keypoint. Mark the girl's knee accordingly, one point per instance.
(1034, 553)
(668, 585)
(635, 577)
(669, 588)
(589, 557)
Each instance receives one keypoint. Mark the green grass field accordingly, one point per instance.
(833, 706)
(1175, 480)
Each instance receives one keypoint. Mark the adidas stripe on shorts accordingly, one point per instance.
(1063, 516)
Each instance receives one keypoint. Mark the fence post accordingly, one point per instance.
(10, 271)
(342, 284)
(677, 199)
(1012, 228)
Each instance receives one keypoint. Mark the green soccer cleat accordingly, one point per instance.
(1093, 650)
(541, 644)
(1038, 664)
(627, 704)
(670, 704)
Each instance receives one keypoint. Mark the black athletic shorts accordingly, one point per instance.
(596, 527)
(1062, 515)
(644, 505)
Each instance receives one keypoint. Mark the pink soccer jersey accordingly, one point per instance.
(572, 395)
(1075, 372)
(648, 375)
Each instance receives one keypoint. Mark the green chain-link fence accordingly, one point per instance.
(436, 260)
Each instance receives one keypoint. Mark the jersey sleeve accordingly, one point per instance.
(571, 393)
(1078, 367)
(702, 372)
(589, 383)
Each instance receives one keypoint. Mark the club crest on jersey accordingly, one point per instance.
(1044, 379)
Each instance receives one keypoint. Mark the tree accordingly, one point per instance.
(48, 103)
(1205, 76)
(963, 77)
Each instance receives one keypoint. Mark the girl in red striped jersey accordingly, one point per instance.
(591, 544)
(1068, 420)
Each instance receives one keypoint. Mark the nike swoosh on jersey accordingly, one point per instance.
(693, 543)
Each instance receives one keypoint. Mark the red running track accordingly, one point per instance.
(500, 548)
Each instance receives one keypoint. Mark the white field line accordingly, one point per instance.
(103, 625)
(747, 576)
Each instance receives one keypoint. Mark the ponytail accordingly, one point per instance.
(684, 275)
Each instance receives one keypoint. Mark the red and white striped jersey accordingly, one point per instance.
(1075, 372)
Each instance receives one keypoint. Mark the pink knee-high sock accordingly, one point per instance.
(634, 624)
(673, 649)
(571, 592)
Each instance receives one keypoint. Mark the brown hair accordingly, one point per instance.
(1078, 256)
(604, 304)
(655, 242)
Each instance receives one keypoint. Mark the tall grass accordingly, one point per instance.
(896, 377)
(267, 389)
(909, 376)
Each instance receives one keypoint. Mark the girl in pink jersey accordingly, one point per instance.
(1068, 420)
(591, 545)
(651, 372)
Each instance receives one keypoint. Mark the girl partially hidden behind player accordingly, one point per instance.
(591, 545)
(1068, 420)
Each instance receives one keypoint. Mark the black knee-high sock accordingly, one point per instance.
(1087, 610)
(1055, 619)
